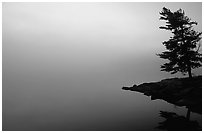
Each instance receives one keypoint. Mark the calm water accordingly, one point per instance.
(76, 100)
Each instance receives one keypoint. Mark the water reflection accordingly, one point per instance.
(175, 122)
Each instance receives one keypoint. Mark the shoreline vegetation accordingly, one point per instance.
(178, 91)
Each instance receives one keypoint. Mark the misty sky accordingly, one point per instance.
(88, 36)
(64, 64)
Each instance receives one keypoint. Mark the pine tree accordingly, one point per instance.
(183, 48)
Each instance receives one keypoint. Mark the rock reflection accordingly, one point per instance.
(174, 122)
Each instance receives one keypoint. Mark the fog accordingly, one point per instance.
(64, 64)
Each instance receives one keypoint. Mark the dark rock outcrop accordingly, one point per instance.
(179, 91)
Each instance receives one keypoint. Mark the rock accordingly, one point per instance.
(185, 102)
(178, 91)
(126, 88)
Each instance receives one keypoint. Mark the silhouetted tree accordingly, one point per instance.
(183, 48)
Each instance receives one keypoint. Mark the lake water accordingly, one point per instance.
(54, 100)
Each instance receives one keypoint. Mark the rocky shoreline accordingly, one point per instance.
(178, 91)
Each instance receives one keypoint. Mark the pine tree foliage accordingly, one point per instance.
(183, 48)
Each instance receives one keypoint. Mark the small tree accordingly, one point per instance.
(183, 48)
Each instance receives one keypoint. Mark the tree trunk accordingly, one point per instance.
(188, 114)
(189, 72)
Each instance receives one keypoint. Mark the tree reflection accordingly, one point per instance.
(174, 122)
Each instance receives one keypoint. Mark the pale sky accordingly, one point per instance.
(91, 35)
